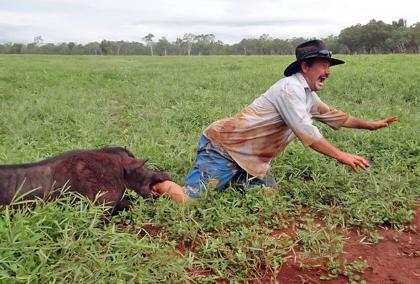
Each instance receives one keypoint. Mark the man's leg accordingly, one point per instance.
(269, 181)
(213, 167)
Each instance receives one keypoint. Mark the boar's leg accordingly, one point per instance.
(122, 205)
(110, 197)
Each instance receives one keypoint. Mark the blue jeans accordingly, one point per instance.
(215, 167)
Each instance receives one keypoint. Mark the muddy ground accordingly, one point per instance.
(394, 259)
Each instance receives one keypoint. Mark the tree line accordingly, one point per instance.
(373, 37)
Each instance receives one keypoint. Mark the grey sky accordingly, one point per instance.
(230, 21)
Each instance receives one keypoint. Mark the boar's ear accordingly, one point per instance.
(131, 165)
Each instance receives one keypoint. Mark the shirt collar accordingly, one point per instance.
(302, 80)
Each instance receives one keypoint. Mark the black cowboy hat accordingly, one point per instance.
(310, 49)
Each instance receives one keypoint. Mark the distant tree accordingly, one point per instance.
(282, 47)
(398, 40)
(163, 46)
(93, 48)
(79, 49)
(105, 46)
(31, 48)
(264, 44)
(5, 48)
(373, 37)
(203, 43)
(140, 48)
(115, 47)
(38, 41)
(401, 23)
(333, 43)
(179, 44)
(149, 42)
(70, 46)
(188, 41)
(125, 48)
(219, 48)
(62, 48)
(376, 37)
(248, 46)
(296, 41)
(49, 48)
(16, 48)
(352, 38)
(414, 37)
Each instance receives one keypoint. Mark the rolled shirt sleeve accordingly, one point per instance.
(291, 105)
(328, 115)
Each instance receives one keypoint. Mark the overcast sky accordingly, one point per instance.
(230, 21)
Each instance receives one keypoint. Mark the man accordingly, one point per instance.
(239, 149)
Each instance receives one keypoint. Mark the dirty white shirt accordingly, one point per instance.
(258, 133)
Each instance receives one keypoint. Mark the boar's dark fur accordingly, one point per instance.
(88, 172)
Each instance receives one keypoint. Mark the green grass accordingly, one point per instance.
(157, 107)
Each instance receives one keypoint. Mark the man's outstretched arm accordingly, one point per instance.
(353, 122)
(324, 147)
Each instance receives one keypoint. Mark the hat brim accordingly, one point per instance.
(294, 66)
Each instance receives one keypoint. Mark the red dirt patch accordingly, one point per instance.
(394, 259)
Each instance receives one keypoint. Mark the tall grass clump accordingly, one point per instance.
(72, 240)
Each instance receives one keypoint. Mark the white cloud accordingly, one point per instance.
(230, 21)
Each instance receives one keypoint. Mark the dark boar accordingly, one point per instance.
(106, 170)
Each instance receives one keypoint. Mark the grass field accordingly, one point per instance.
(157, 107)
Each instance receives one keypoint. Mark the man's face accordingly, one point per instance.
(316, 74)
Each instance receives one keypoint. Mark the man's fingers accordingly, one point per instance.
(354, 162)
(384, 123)
(391, 120)
(358, 162)
(364, 163)
(353, 166)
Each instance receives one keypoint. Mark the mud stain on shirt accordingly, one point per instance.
(262, 130)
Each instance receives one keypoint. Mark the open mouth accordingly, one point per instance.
(322, 79)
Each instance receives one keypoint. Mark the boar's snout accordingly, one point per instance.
(143, 179)
(166, 176)
(157, 176)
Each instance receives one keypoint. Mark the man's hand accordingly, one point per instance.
(353, 161)
(374, 125)
(324, 147)
(353, 122)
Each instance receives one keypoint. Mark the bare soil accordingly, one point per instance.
(394, 259)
